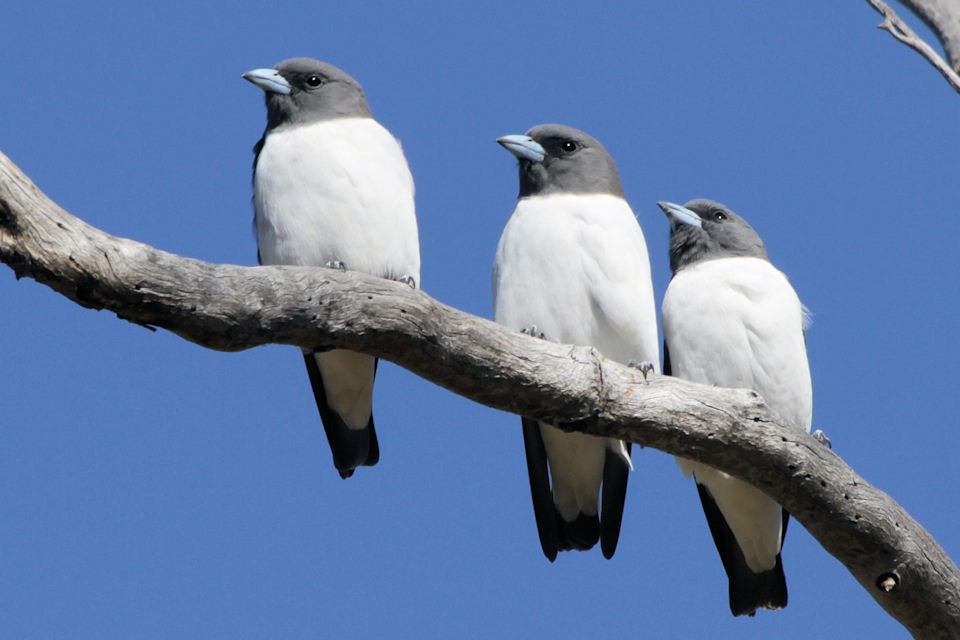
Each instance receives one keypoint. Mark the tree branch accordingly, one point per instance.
(943, 18)
(229, 308)
(935, 14)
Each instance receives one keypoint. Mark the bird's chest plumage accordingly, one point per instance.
(337, 190)
(737, 322)
(576, 266)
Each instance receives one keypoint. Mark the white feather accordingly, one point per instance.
(576, 267)
(737, 322)
(348, 383)
(336, 190)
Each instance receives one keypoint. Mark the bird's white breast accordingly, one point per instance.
(576, 266)
(336, 190)
(737, 322)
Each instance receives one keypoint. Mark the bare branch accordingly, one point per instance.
(230, 308)
(902, 32)
(943, 18)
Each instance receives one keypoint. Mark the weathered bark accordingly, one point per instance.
(943, 17)
(231, 308)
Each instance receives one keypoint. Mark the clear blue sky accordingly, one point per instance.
(150, 488)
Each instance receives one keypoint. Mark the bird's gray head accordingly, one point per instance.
(558, 159)
(705, 230)
(304, 90)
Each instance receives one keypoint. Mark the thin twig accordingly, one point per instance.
(902, 32)
(942, 17)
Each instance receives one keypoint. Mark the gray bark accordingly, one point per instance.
(230, 308)
(943, 17)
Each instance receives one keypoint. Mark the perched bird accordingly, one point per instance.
(331, 188)
(730, 318)
(572, 267)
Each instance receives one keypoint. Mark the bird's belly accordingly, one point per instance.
(322, 196)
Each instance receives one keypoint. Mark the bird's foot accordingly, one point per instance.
(533, 332)
(822, 438)
(645, 367)
(336, 264)
(408, 280)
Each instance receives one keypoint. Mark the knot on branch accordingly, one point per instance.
(588, 412)
(888, 582)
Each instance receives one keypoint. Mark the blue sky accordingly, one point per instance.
(150, 488)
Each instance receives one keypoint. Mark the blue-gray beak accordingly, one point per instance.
(269, 80)
(524, 147)
(680, 214)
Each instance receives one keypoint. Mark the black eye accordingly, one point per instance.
(314, 80)
(568, 146)
(719, 215)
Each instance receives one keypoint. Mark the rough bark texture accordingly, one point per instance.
(943, 17)
(229, 307)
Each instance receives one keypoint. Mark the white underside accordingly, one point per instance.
(348, 383)
(737, 322)
(576, 267)
(338, 191)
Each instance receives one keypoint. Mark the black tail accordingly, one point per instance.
(548, 522)
(351, 448)
(749, 591)
(615, 475)
(556, 534)
(580, 535)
